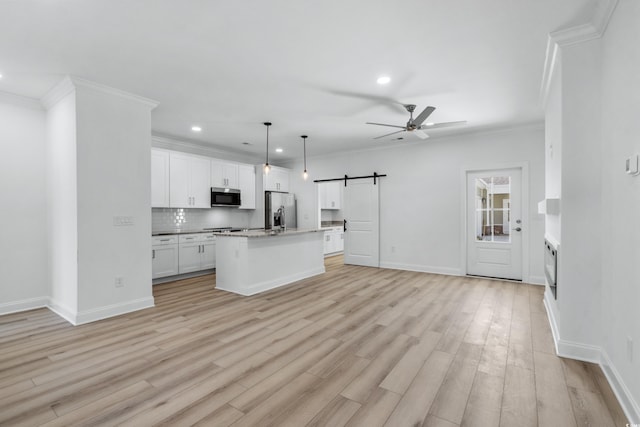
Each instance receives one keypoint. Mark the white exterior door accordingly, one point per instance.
(494, 223)
(361, 211)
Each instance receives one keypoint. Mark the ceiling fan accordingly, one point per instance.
(416, 125)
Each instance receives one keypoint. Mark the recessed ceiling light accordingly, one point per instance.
(196, 128)
(0, 76)
(383, 80)
(279, 150)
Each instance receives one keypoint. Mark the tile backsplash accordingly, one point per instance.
(166, 219)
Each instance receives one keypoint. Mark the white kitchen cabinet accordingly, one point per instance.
(189, 181)
(331, 195)
(196, 252)
(164, 256)
(277, 179)
(159, 178)
(247, 186)
(333, 241)
(224, 174)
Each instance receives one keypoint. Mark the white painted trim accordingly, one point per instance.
(625, 398)
(537, 280)
(70, 83)
(57, 93)
(276, 283)
(23, 305)
(526, 215)
(113, 310)
(64, 312)
(593, 354)
(20, 101)
(194, 147)
(594, 29)
(448, 271)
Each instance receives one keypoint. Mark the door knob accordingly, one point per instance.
(518, 229)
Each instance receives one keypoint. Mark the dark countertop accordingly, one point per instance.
(199, 230)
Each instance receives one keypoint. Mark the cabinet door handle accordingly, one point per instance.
(153, 254)
(164, 240)
(345, 225)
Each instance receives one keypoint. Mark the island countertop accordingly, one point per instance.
(269, 233)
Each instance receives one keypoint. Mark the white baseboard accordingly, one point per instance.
(64, 312)
(23, 305)
(593, 354)
(629, 405)
(100, 313)
(272, 284)
(537, 280)
(422, 268)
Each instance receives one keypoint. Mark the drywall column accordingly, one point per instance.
(99, 148)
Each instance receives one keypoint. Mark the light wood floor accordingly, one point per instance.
(355, 346)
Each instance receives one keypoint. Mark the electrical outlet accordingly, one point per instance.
(630, 349)
(119, 282)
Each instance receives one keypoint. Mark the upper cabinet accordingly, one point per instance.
(224, 174)
(330, 195)
(247, 186)
(277, 179)
(189, 181)
(159, 178)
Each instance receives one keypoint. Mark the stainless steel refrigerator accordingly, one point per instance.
(279, 210)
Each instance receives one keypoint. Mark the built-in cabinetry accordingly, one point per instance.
(159, 178)
(247, 186)
(189, 177)
(185, 253)
(181, 180)
(196, 252)
(224, 174)
(333, 240)
(331, 195)
(277, 180)
(164, 256)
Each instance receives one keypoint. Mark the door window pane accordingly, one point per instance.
(493, 209)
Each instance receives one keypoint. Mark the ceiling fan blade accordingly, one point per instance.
(389, 102)
(442, 125)
(389, 134)
(423, 116)
(420, 134)
(384, 124)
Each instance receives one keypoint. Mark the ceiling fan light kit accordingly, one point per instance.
(416, 125)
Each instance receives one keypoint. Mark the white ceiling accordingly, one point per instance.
(228, 66)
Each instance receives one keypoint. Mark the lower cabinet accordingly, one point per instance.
(164, 256)
(196, 252)
(333, 241)
(180, 254)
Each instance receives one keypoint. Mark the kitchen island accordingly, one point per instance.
(254, 261)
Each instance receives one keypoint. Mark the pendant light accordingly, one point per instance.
(305, 175)
(267, 168)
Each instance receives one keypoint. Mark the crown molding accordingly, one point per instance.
(71, 83)
(169, 142)
(594, 29)
(59, 91)
(20, 101)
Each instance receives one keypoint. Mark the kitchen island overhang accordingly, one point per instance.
(251, 262)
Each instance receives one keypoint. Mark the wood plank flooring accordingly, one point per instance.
(355, 346)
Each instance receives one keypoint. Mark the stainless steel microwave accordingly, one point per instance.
(225, 197)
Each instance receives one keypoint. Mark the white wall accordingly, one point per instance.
(113, 167)
(620, 112)
(553, 151)
(62, 203)
(23, 245)
(421, 199)
(592, 112)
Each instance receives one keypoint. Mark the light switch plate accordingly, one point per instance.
(120, 221)
(632, 166)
